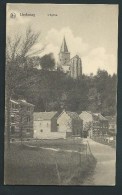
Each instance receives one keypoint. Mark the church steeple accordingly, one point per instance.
(64, 46)
(64, 55)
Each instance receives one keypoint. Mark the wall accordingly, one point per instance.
(43, 130)
(23, 127)
(86, 117)
(54, 124)
(64, 57)
(77, 128)
(27, 120)
(64, 123)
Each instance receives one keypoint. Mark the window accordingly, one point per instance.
(12, 129)
(12, 119)
(28, 118)
(28, 130)
(41, 130)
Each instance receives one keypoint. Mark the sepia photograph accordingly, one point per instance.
(61, 94)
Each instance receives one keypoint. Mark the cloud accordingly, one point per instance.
(75, 44)
(99, 58)
(92, 58)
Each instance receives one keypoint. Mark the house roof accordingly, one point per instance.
(44, 115)
(99, 116)
(73, 115)
(111, 119)
(14, 101)
(22, 102)
(95, 116)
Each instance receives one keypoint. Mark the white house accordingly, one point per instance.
(45, 126)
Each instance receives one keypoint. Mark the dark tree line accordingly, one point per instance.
(53, 90)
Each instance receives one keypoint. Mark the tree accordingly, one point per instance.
(17, 50)
(47, 62)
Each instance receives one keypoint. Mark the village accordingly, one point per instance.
(27, 124)
(60, 95)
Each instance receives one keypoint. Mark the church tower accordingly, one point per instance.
(64, 55)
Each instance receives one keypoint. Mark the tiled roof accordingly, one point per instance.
(44, 115)
(73, 115)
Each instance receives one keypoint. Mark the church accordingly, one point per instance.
(70, 66)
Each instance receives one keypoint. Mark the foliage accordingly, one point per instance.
(54, 90)
(47, 62)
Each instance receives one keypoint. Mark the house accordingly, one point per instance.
(21, 119)
(87, 118)
(100, 125)
(45, 125)
(70, 124)
(94, 123)
(111, 125)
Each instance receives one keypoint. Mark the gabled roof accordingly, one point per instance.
(22, 102)
(111, 118)
(73, 115)
(64, 46)
(14, 101)
(44, 115)
(99, 116)
(96, 116)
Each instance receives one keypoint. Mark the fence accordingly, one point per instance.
(63, 162)
(75, 166)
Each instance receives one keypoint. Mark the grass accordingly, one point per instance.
(64, 144)
(35, 166)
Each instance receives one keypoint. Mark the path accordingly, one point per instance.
(104, 173)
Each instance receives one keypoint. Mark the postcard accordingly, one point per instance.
(61, 94)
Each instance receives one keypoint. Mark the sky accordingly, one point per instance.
(90, 30)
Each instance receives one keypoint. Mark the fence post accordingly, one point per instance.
(58, 173)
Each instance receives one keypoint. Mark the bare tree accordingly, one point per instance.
(17, 51)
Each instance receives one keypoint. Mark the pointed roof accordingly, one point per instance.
(64, 46)
(44, 115)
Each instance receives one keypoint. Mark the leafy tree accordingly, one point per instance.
(47, 62)
(17, 50)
